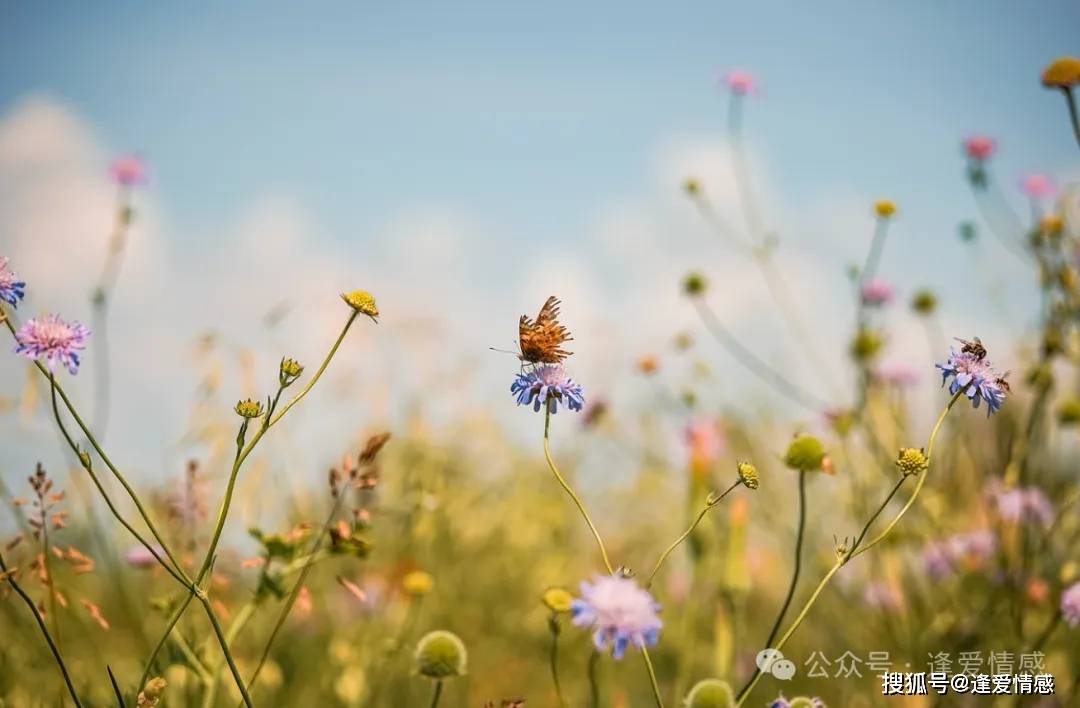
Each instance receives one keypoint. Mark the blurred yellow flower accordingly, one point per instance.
(417, 583)
(1063, 73)
(884, 208)
(558, 599)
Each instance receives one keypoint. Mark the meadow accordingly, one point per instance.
(458, 566)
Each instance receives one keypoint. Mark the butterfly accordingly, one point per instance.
(541, 340)
(974, 347)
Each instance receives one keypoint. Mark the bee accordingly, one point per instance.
(541, 340)
(1002, 383)
(974, 347)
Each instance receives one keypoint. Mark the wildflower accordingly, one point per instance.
(1070, 605)
(417, 583)
(805, 453)
(52, 339)
(362, 301)
(547, 385)
(1062, 73)
(249, 409)
(937, 560)
(748, 475)
(289, 371)
(882, 596)
(1052, 224)
(705, 442)
(152, 692)
(941, 558)
(912, 461)
(692, 187)
(876, 292)
(979, 147)
(694, 284)
(710, 693)
(924, 302)
(1038, 186)
(740, 83)
(648, 364)
(866, 345)
(620, 612)
(440, 654)
(897, 374)
(11, 288)
(884, 208)
(128, 171)
(1024, 505)
(973, 374)
(1069, 411)
(558, 600)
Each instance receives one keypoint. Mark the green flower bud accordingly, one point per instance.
(748, 475)
(289, 371)
(440, 654)
(694, 284)
(1069, 411)
(691, 186)
(710, 693)
(805, 453)
(912, 460)
(249, 409)
(924, 302)
(866, 345)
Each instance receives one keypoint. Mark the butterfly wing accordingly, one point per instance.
(541, 340)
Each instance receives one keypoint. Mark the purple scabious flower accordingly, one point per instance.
(974, 375)
(620, 612)
(52, 339)
(11, 288)
(1070, 605)
(547, 385)
(1027, 505)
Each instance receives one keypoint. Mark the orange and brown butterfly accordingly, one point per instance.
(541, 340)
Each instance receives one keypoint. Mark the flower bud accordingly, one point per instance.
(748, 475)
(912, 460)
(924, 302)
(249, 409)
(710, 693)
(1068, 412)
(289, 371)
(691, 186)
(866, 345)
(694, 284)
(805, 453)
(884, 208)
(440, 654)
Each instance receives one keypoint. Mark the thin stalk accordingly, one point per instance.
(594, 685)
(100, 303)
(796, 571)
(44, 631)
(577, 500)
(437, 694)
(1070, 100)
(652, 678)
(686, 534)
(553, 623)
(875, 515)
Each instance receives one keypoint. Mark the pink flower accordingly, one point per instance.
(897, 374)
(141, 557)
(52, 339)
(704, 440)
(876, 292)
(740, 83)
(128, 171)
(1038, 186)
(980, 147)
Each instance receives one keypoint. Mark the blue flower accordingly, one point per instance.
(619, 611)
(973, 374)
(11, 288)
(52, 339)
(548, 385)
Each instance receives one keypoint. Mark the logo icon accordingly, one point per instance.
(772, 661)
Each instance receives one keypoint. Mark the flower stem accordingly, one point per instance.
(577, 500)
(44, 630)
(553, 623)
(437, 694)
(652, 678)
(799, 535)
(594, 685)
(686, 534)
(1070, 99)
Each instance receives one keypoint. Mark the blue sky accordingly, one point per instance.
(467, 159)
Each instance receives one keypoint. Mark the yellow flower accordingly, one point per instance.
(1063, 73)
(748, 475)
(1052, 224)
(806, 453)
(417, 583)
(440, 654)
(362, 301)
(249, 409)
(884, 208)
(558, 599)
(912, 460)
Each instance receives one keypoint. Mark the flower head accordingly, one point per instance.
(748, 475)
(884, 208)
(876, 292)
(979, 147)
(11, 288)
(1068, 412)
(897, 374)
(52, 339)
(805, 453)
(440, 654)
(924, 302)
(912, 460)
(740, 83)
(710, 693)
(558, 599)
(1070, 605)
(1024, 505)
(1063, 73)
(141, 557)
(417, 583)
(972, 373)
(1038, 186)
(249, 408)
(547, 385)
(620, 612)
(128, 171)
(362, 301)
(694, 284)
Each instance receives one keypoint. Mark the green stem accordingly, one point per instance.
(686, 534)
(874, 516)
(553, 623)
(594, 685)
(652, 678)
(174, 618)
(1070, 99)
(570, 491)
(44, 631)
(437, 694)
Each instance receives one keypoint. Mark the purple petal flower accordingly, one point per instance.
(621, 614)
(52, 339)
(1024, 505)
(974, 375)
(128, 171)
(547, 385)
(11, 288)
(1070, 605)
(141, 557)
